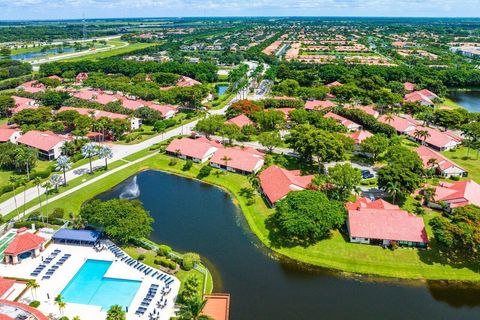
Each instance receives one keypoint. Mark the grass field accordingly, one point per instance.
(471, 163)
(113, 52)
(335, 252)
(450, 103)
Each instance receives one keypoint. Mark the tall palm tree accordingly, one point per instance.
(389, 117)
(33, 285)
(37, 181)
(26, 158)
(226, 159)
(421, 135)
(116, 313)
(105, 152)
(14, 183)
(55, 180)
(63, 164)
(192, 309)
(60, 303)
(393, 188)
(89, 151)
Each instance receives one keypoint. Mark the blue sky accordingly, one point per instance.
(63, 9)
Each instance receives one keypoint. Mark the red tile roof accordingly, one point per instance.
(97, 114)
(217, 306)
(195, 148)
(381, 220)
(187, 82)
(164, 109)
(437, 138)
(408, 86)
(42, 140)
(24, 242)
(241, 121)
(360, 135)
(38, 315)
(5, 285)
(277, 182)
(22, 103)
(334, 84)
(318, 104)
(5, 317)
(367, 109)
(367, 203)
(458, 194)
(343, 121)
(6, 134)
(400, 124)
(33, 86)
(421, 96)
(246, 159)
(426, 154)
(95, 96)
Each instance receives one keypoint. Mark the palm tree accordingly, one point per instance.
(393, 188)
(14, 183)
(23, 182)
(68, 148)
(105, 152)
(89, 151)
(253, 179)
(60, 303)
(191, 309)
(27, 158)
(55, 180)
(428, 194)
(226, 159)
(64, 164)
(421, 135)
(116, 313)
(37, 181)
(33, 285)
(389, 117)
(76, 318)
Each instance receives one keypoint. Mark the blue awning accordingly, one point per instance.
(76, 235)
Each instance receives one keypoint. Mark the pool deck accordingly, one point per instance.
(50, 288)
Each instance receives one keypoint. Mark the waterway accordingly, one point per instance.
(40, 54)
(193, 216)
(470, 100)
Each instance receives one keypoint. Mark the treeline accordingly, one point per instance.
(203, 72)
(425, 77)
(12, 69)
(51, 32)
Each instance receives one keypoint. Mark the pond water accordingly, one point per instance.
(221, 89)
(39, 54)
(193, 216)
(470, 100)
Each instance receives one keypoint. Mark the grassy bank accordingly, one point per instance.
(470, 163)
(335, 253)
(113, 52)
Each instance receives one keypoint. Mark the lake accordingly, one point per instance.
(193, 216)
(221, 89)
(470, 100)
(39, 54)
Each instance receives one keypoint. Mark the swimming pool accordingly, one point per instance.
(89, 286)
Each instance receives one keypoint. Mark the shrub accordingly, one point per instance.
(188, 165)
(204, 172)
(164, 262)
(455, 178)
(163, 250)
(141, 257)
(173, 162)
(41, 174)
(34, 304)
(64, 318)
(57, 213)
(189, 260)
(28, 224)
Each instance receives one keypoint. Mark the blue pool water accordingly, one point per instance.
(89, 286)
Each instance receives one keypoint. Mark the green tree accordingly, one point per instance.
(210, 125)
(305, 217)
(345, 178)
(33, 285)
(116, 312)
(270, 140)
(192, 309)
(230, 131)
(6, 103)
(63, 164)
(122, 220)
(89, 151)
(270, 120)
(375, 145)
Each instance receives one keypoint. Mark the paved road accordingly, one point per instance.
(119, 152)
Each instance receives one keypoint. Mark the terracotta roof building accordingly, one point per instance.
(276, 183)
(350, 125)
(5, 287)
(380, 223)
(402, 125)
(319, 104)
(240, 121)
(24, 246)
(239, 160)
(360, 135)
(9, 135)
(16, 310)
(198, 150)
(408, 86)
(436, 139)
(424, 97)
(97, 114)
(22, 103)
(443, 166)
(47, 143)
(458, 194)
(32, 87)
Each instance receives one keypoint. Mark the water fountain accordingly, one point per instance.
(131, 191)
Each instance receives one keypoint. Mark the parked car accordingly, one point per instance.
(366, 174)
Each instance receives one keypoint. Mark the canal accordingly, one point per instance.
(193, 216)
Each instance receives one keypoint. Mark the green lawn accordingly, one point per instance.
(113, 52)
(335, 252)
(470, 163)
(450, 103)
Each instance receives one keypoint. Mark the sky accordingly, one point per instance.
(74, 9)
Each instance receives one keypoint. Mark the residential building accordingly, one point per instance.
(135, 123)
(240, 121)
(23, 246)
(401, 125)
(408, 86)
(424, 97)
(360, 135)
(167, 110)
(456, 194)
(9, 135)
(187, 82)
(334, 84)
(198, 150)
(239, 160)
(48, 144)
(436, 139)
(319, 104)
(381, 223)
(22, 103)
(94, 96)
(350, 125)
(32, 87)
(276, 183)
(442, 165)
